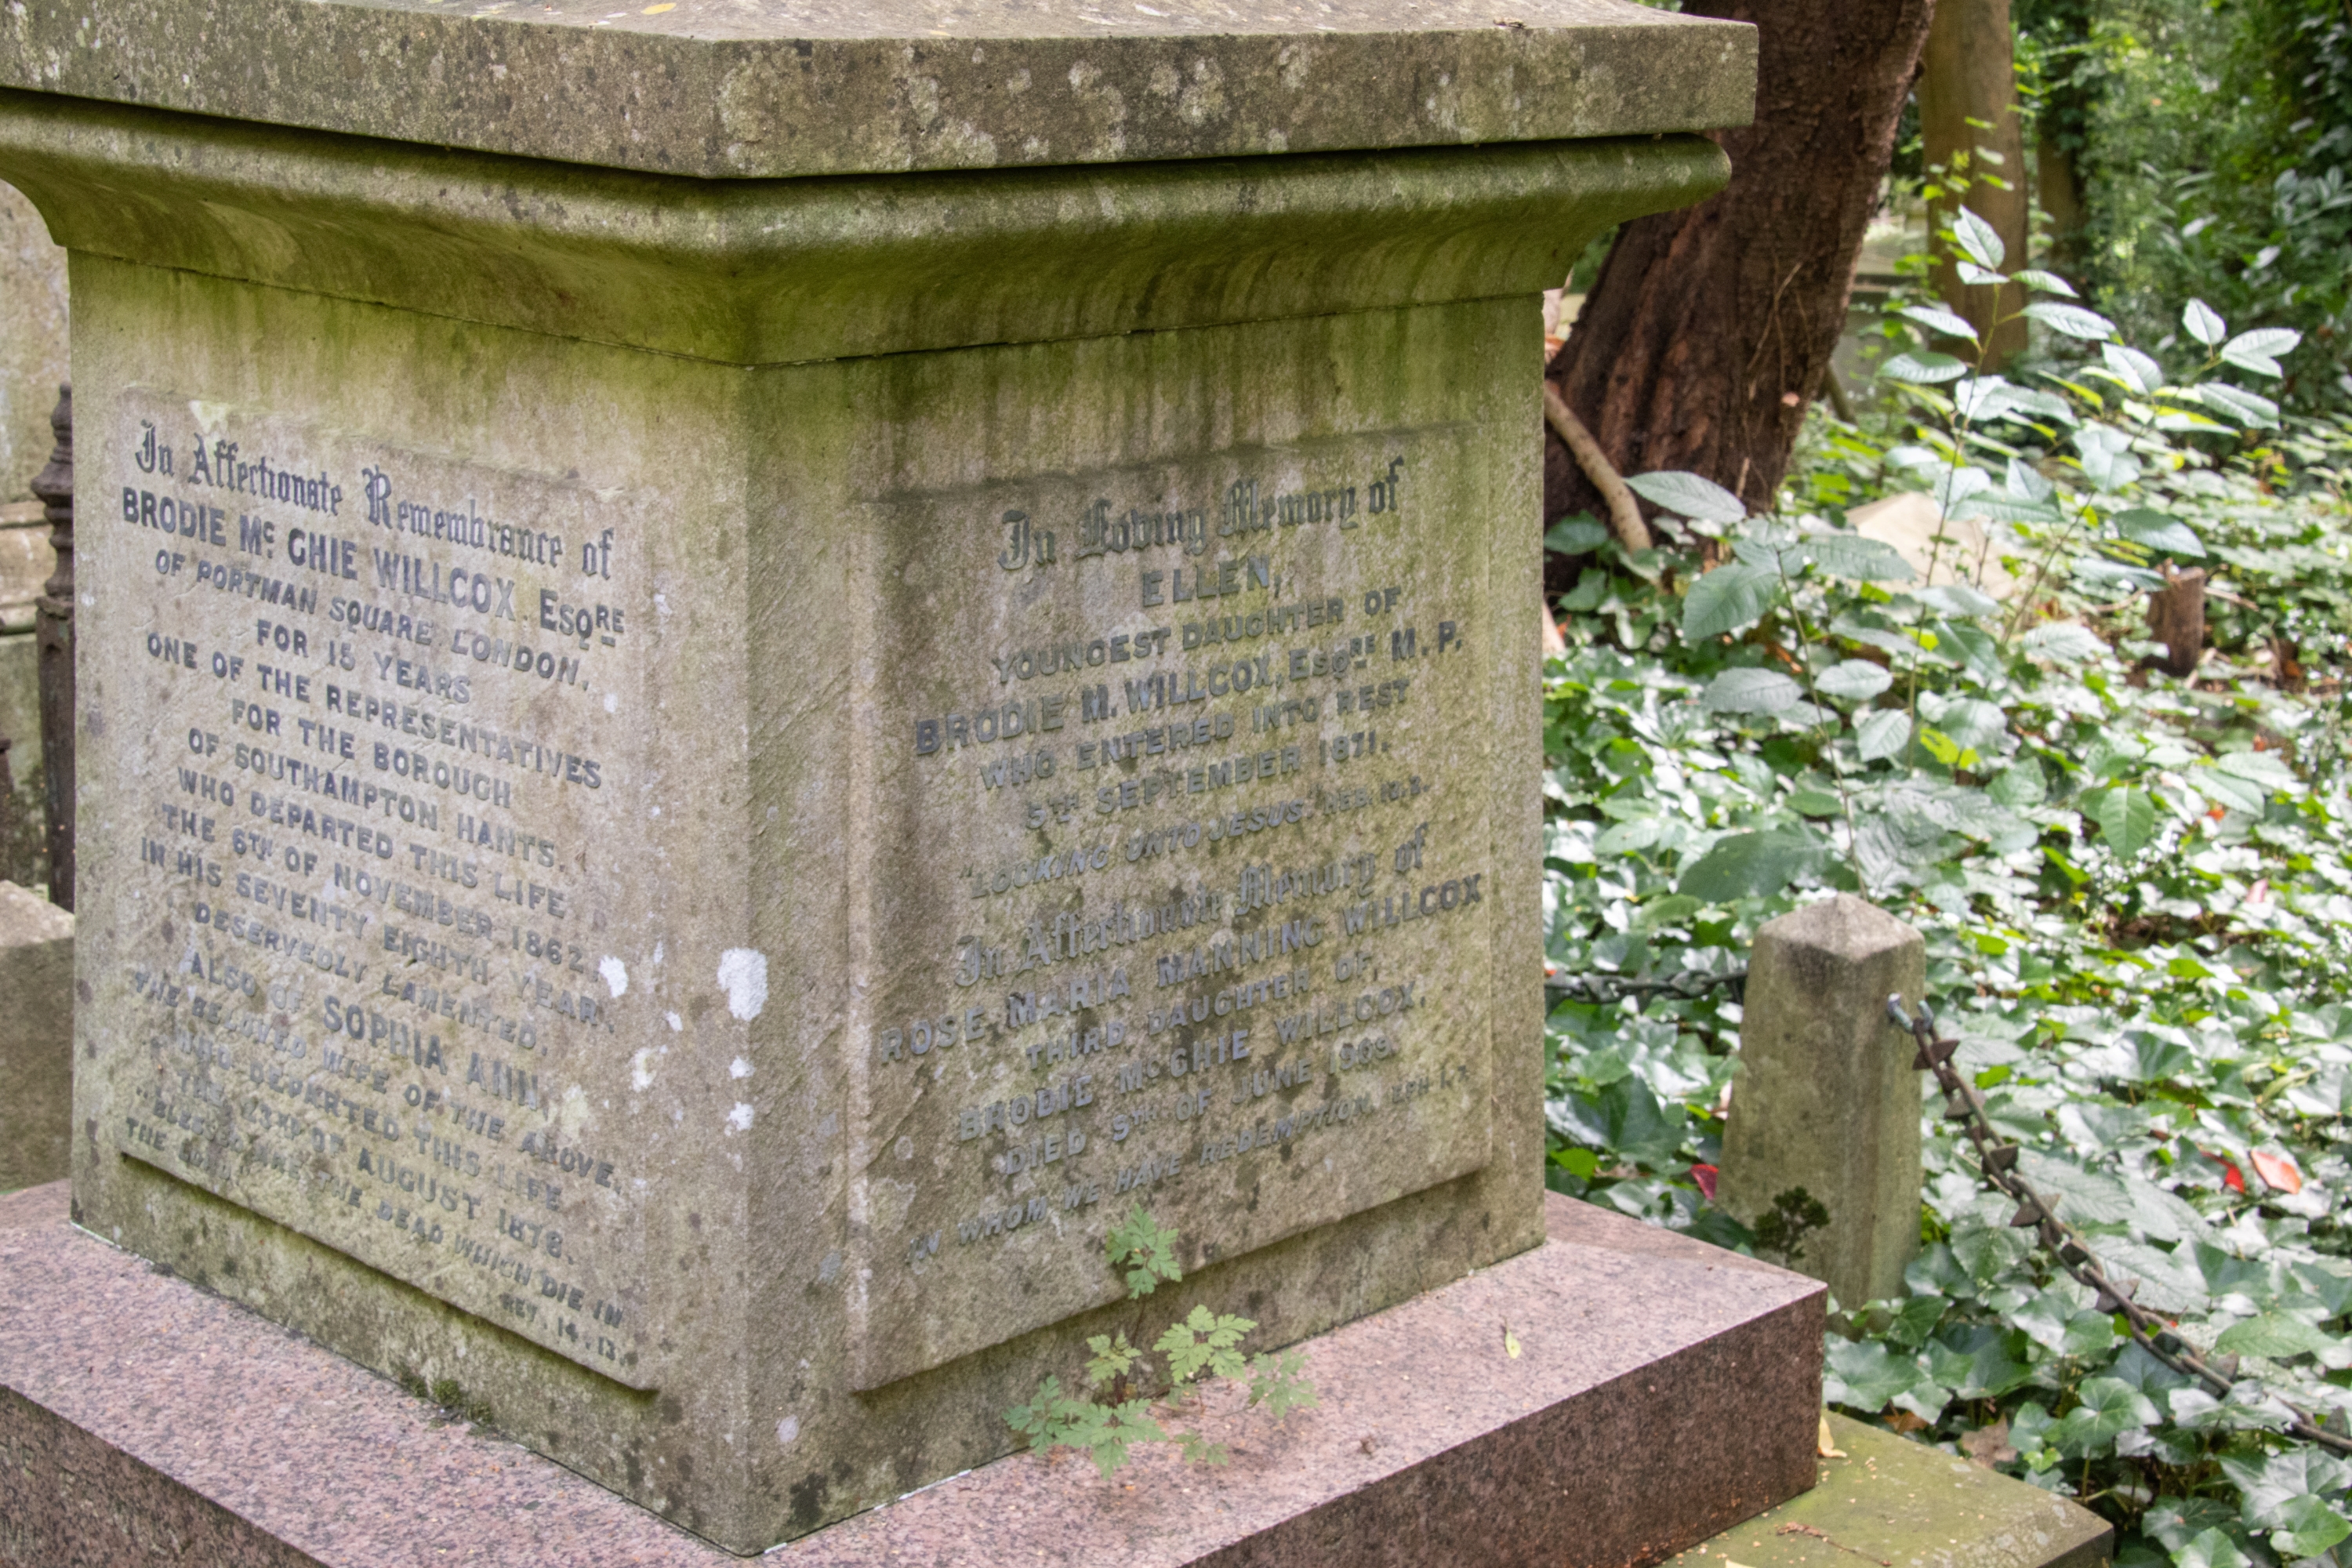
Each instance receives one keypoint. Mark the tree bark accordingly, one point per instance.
(1709, 329)
(1969, 73)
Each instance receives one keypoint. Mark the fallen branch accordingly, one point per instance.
(1625, 517)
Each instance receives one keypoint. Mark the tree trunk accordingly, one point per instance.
(1969, 73)
(2058, 181)
(2061, 127)
(1709, 329)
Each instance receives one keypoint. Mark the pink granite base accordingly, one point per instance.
(1664, 1391)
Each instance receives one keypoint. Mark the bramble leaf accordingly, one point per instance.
(1751, 692)
(1978, 239)
(1731, 598)
(1687, 495)
(2073, 321)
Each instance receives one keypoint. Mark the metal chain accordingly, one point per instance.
(1963, 1104)
(1690, 985)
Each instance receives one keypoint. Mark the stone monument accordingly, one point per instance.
(744, 670)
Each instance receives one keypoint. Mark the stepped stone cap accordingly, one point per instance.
(756, 89)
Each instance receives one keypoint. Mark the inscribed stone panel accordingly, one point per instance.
(1195, 756)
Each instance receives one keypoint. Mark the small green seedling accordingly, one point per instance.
(1203, 1343)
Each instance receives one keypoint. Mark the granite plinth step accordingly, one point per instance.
(1663, 1392)
(1889, 1501)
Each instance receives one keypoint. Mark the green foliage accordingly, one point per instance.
(1204, 1343)
(1780, 1233)
(2135, 892)
(1142, 1254)
(2216, 145)
(1103, 1433)
(1279, 1383)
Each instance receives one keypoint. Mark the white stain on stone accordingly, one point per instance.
(740, 1068)
(787, 1430)
(739, 1119)
(675, 1023)
(617, 976)
(743, 975)
(641, 1071)
(612, 703)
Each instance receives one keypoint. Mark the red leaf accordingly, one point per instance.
(2231, 1177)
(1704, 1177)
(2278, 1171)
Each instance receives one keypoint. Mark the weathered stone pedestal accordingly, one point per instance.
(745, 669)
(1664, 1391)
(35, 1038)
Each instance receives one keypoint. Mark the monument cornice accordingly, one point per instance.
(776, 272)
(763, 88)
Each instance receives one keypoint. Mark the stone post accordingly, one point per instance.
(1826, 1099)
(36, 1039)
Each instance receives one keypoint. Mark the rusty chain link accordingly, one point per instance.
(1998, 1159)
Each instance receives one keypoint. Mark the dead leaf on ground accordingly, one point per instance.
(1987, 1445)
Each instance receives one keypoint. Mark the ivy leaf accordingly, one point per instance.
(2073, 321)
(2177, 1521)
(2203, 322)
(1922, 369)
(2310, 1527)
(1865, 1375)
(2212, 1548)
(1727, 599)
(2258, 351)
(1978, 239)
(1687, 495)
(1751, 692)
(2268, 1483)
(2126, 819)
(2109, 1407)
(1943, 323)
(2083, 1195)
(2144, 526)
(1977, 1360)
(1882, 734)
(1855, 679)
(1749, 866)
